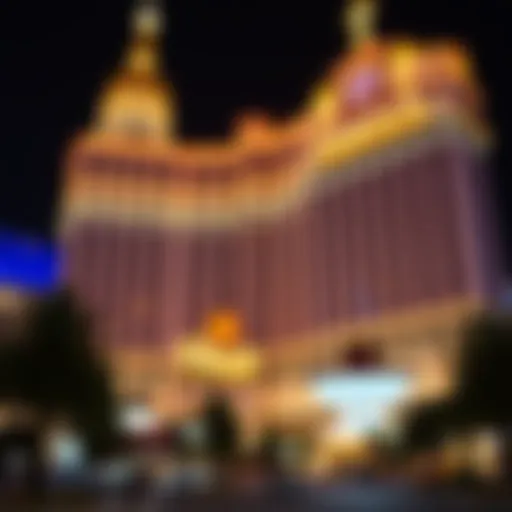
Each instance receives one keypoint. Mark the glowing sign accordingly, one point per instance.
(29, 265)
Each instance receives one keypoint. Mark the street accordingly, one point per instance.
(350, 496)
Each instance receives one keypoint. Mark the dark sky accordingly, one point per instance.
(222, 55)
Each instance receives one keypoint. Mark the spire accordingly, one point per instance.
(359, 20)
(147, 27)
(148, 19)
(137, 98)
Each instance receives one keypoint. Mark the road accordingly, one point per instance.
(346, 496)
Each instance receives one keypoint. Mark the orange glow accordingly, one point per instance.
(224, 328)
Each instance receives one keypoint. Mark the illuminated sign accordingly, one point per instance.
(27, 265)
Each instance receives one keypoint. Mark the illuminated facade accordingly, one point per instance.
(363, 216)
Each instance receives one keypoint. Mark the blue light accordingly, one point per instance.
(27, 264)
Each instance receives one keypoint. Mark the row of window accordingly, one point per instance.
(257, 163)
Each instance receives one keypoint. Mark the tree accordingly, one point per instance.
(221, 433)
(221, 429)
(54, 372)
(485, 377)
(11, 369)
(60, 374)
(269, 450)
(427, 424)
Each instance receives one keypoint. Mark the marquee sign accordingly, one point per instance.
(216, 353)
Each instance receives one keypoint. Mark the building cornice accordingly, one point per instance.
(372, 145)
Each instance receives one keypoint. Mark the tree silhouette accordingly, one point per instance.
(221, 429)
(427, 424)
(485, 377)
(56, 371)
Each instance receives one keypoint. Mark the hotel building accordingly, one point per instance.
(365, 218)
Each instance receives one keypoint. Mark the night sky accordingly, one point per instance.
(223, 56)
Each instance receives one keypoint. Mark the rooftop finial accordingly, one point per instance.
(147, 28)
(359, 20)
(148, 17)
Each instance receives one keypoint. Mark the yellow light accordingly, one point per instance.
(360, 19)
(323, 102)
(220, 362)
(404, 61)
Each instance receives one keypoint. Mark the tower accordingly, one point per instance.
(136, 100)
(116, 175)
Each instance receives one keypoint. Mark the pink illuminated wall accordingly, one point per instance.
(406, 233)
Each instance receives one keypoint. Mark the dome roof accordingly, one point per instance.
(137, 100)
(378, 71)
(394, 71)
(135, 105)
